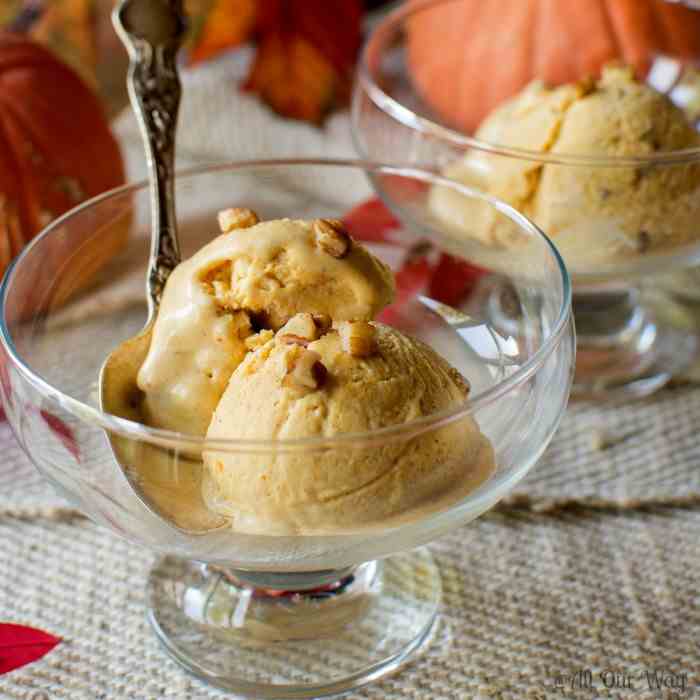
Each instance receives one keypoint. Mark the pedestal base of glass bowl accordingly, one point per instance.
(294, 635)
(626, 345)
(683, 285)
(629, 343)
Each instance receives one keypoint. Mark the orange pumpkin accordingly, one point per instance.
(56, 148)
(467, 56)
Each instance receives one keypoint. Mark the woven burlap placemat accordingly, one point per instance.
(585, 577)
(531, 604)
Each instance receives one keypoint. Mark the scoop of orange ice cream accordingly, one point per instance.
(347, 381)
(258, 275)
(594, 213)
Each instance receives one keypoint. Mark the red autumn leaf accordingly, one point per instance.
(371, 221)
(6, 386)
(62, 432)
(450, 281)
(453, 280)
(414, 274)
(306, 51)
(411, 280)
(402, 189)
(20, 645)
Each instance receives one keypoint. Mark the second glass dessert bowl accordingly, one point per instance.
(273, 615)
(588, 201)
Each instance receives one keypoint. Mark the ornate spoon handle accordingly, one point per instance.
(152, 31)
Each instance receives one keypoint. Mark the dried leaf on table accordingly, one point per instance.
(306, 49)
(20, 645)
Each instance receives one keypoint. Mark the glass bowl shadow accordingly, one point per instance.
(628, 343)
(217, 599)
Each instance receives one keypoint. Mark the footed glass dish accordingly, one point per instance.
(628, 342)
(266, 615)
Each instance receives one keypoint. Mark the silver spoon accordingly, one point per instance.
(168, 485)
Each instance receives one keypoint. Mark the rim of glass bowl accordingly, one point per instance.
(172, 439)
(387, 28)
(686, 255)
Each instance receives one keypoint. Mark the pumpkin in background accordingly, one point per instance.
(56, 150)
(468, 56)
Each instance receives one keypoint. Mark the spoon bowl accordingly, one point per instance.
(170, 489)
(152, 32)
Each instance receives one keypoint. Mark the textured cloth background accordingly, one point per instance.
(217, 122)
(529, 602)
(534, 594)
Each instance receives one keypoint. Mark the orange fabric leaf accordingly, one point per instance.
(332, 26)
(293, 77)
(306, 49)
(225, 25)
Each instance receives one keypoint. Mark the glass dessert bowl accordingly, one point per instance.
(608, 167)
(271, 614)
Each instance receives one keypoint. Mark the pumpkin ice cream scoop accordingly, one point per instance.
(255, 275)
(594, 212)
(355, 378)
